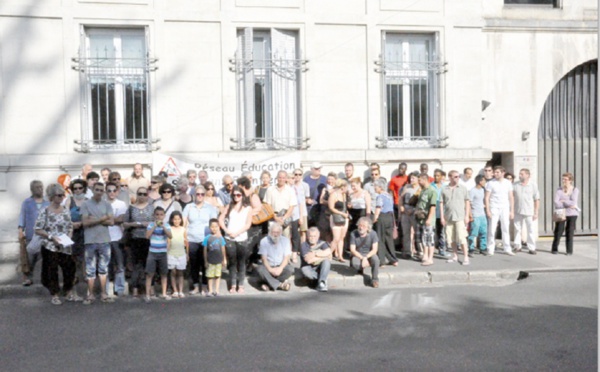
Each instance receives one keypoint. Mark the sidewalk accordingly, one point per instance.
(482, 270)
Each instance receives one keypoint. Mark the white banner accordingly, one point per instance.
(177, 167)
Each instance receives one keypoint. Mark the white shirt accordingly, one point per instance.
(499, 193)
(468, 184)
(119, 208)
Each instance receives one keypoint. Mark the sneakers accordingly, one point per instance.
(471, 254)
(322, 287)
(510, 253)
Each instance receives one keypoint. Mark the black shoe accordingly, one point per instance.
(485, 253)
(569, 254)
(532, 252)
(471, 254)
(554, 252)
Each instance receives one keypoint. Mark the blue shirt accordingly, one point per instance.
(198, 220)
(385, 202)
(29, 214)
(213, 246)
(158, 239)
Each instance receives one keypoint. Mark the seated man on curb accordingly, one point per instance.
(275, 251)
(363, 249)
(316, 256)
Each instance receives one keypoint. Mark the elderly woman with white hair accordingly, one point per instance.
(384, 225)
(53, 224)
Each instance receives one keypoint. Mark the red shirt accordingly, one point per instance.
(396, 184)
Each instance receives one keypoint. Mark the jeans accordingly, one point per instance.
(237, 253)
(197, 264)
(117, 266)
(518, 224)
(319, 272)
(51, 261)
(295, 235)
(559, 228)
(274, 282)
(479, 230)
(32, 259)
(139, 254)
(99, 252)
(385, 230)
(440, 236)
(355, 262)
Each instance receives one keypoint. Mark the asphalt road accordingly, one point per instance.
(545, 322)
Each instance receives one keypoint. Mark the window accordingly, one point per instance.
(114, 75)
(410, 71)
(268, 70)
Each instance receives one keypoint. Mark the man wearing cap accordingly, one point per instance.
(316, 182)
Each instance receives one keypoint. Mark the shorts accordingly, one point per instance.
(456, 232)
(157, 260)
(100, 253)
(425, 235)
(177, 263)
(303, 224)
(214, 271)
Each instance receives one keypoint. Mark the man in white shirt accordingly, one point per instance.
(467, 179)
(117, 254)
(527, 204)
(499, 206)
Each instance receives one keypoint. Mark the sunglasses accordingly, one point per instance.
(210, 188)
(60, 195)
(77, 188)
(98, 190)
(200, 194)
(167, 192)
(111, 190)
(153, 182)
(237, 195)
(116, 179)
(122, 186)
(142, 194)
(297, 174)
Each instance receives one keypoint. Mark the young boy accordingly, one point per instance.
(157, 232)
(214, 257)
(478, 217)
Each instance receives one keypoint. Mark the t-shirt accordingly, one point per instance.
(396, 185)
(305, 248)
(116, 231)
(454, 199)
(384, 201)
(363, 244)
(281, 199)
(427, 199)
(177, 242)
(499, 193)
(438, 189)
(477, 196)
(213, 246)
(525, 195)
(158, 239)
(313, 185)
(97, 234)
(275, 252)
(198, 218)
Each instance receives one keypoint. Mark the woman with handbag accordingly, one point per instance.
(409, 196)
(52, 224)
(136, 220)
(339, 218)
(565, 212)
(235, 222)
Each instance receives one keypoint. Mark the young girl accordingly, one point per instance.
(214, 257)
(177, 253)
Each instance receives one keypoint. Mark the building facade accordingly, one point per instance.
(449, 83)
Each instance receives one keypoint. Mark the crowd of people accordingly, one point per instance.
(139, 231)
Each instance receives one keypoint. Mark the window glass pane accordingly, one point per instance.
(136, 112)
(394, 110)
(419, 101)
(132, 49)
(530, 2)
(103, 111)
(102, 46)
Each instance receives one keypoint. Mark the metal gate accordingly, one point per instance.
(567, 142)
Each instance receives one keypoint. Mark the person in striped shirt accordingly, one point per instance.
(157, 232)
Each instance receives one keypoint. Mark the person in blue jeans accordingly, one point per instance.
(478, 217)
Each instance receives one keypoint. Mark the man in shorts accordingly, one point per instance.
(97, 215)
(455, 207)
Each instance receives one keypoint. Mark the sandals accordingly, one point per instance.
(107, 300)
(231, 290)
(56, 301)
(74, 298)
(285, 286)
(27, 282)
(241, 290)
(147, 299)
(89, 300)
(165, 297)
(265, 288)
